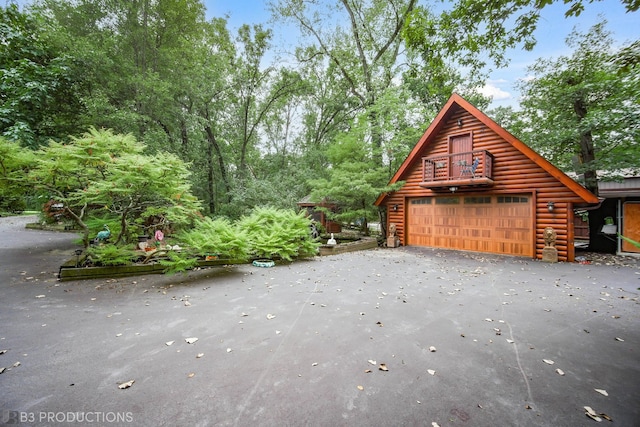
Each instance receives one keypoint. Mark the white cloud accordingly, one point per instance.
(496, 94)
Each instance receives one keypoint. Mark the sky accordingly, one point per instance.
(551, 33)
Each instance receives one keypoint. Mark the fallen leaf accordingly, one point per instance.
(601, 391)
(592, 414)
(560, 372)
(15, 365)
(126, 385)
(383, 367)
(432, 349)
(431, 371)
(367, 371)
(187, 303)
(488, 320)
(617, 339)
(169, 342)
(271, 316)
(191, 375)
(360, 388)
(590, 410)
(3, 351)
(373, 362)
(379, 324)
(314, 364)
(548, 361)
(243, 314)
(191, 340)
(528, 407)
(199, 355)
(510, 341)
(2, 370)
(118, 335)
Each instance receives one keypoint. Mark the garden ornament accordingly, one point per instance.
(332, 241)
(104, 234)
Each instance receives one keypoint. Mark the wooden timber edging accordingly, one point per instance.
(358, 245)
(68, 271)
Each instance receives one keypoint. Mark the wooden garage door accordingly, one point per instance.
(631, 225)
(495, 224)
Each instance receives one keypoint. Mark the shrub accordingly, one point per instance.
(280, 233)
(111, 255)
(218, 237)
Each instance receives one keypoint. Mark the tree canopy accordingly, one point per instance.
(582, 111)
(253, 126)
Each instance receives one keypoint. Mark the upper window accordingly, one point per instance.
(513, 199)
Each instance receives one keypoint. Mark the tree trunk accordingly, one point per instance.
(587, 151)
(213, 143)
(211, 190)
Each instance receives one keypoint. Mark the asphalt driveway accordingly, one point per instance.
(386, 337)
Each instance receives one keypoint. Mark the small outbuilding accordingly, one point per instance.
(316, 211)
(471, 185)
(618, 213)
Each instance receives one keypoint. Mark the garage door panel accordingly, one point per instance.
(496, 224)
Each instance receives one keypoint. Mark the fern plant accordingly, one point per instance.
(178, 262)
(111, 255)
(218, 237)
(283, 233)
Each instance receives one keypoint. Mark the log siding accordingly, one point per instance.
(516, 170)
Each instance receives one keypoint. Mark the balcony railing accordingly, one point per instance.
(470, 168)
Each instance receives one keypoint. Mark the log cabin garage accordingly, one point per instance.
(471, 185)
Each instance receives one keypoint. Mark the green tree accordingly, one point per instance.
(15, 163)
(580, 109)
(363, 47)
(108, 176)
(473, 31)
(41, 80)
(354, 183)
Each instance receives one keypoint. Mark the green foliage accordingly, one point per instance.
(111, 255)
(275, 232)
(219, 236)
(473, 31)
(581, 105)
(15, 163)
(355, 180)
(40, 80)
(107, 176)
(178, 262)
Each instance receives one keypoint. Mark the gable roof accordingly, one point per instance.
(456, 102)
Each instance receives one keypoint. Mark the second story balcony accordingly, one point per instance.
(459, 170)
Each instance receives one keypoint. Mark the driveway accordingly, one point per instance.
(385, 337)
